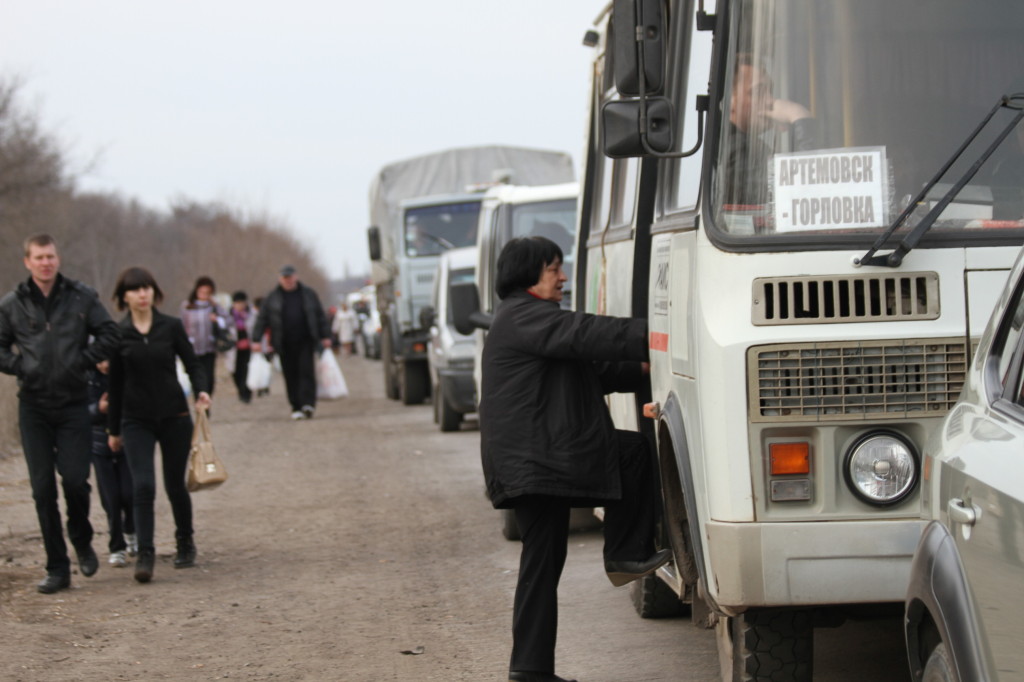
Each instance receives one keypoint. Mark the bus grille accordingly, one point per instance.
(855, 380)
(853, 298)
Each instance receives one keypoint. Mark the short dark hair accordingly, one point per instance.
(132, 279)
(39, 240)
(522, 262)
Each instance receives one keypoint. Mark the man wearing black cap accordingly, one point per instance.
(297, 326)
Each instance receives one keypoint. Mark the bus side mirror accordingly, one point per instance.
(623, 126)
(464, 300)
(638, 23)
(373, 236)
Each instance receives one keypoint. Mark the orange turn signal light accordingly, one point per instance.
(790, 458)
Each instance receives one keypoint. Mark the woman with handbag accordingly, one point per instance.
(206, 325)
(147, 406)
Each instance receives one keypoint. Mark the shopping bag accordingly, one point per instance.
(330, 382)
(183, 378)
(205, 470)
(258, 376)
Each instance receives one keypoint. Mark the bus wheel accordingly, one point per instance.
(766, 645)
(652, 598)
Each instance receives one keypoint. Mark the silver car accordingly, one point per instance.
(966, 593)
(450, 354)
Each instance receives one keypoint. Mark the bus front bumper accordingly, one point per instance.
(811, 563)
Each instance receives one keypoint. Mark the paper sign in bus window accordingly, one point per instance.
(835, 189)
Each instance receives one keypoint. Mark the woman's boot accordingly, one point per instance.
(144, 565)
(186, 555)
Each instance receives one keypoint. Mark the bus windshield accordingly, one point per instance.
(836, 113)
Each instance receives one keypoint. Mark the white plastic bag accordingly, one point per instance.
(258, 376)
(330, 382)
(183, 379)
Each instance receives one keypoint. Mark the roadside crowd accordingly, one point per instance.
(95, 392)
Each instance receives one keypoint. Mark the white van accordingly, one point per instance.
(449, 353)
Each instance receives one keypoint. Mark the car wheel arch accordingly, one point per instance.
(940, 608)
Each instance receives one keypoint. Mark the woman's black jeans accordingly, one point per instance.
(140, 436)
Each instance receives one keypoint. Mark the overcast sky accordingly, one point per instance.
(289, 108)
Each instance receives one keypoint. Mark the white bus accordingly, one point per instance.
(814, 203)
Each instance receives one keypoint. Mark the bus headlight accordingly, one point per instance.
(881, 468)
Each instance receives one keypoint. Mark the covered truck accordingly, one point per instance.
(419, 208)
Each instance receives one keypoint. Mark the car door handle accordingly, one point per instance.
(959, 512)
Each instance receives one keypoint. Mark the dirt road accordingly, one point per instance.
(338, 544)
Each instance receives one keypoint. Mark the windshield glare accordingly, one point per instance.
(836, 113)
(432, 230)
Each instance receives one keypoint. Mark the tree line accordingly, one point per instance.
(100, 234)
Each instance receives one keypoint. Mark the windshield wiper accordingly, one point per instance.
(440, 241)
(895, 259)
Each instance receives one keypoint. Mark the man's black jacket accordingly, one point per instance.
(272, 316)
(53, 354)
(544, 425)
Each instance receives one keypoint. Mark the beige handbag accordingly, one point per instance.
(205, 470)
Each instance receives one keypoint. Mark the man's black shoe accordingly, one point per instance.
(54, 582)
(623, 572)
(529, 676)
(88, 562)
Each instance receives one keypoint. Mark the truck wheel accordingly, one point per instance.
(652, 598)
(509, 527)
(414, 383)
(769, 645)
(939, 668)
(387, 355)
(448, 418)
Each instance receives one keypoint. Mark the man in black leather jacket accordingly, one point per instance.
(49, 319)
(298, 331)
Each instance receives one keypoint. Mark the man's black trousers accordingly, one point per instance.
(298, 367)
(59, 439)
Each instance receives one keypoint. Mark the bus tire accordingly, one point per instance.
(652, 598)
(772, 645)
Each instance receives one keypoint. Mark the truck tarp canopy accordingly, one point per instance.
(454, 170)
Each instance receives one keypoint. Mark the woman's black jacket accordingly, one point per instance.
(545, 427)
(143, 374)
